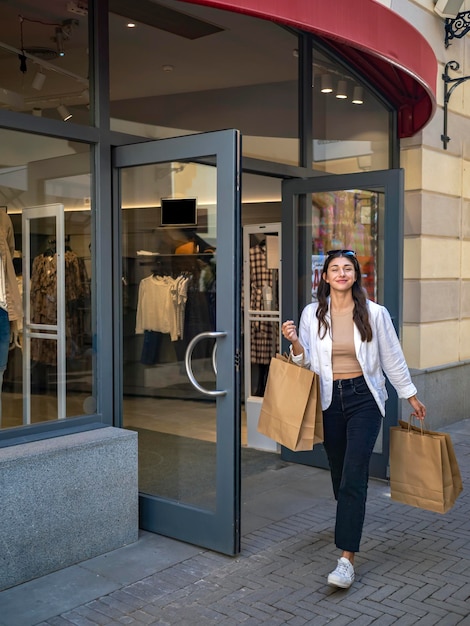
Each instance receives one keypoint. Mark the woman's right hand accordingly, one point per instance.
(289, 331)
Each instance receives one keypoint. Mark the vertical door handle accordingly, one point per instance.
(188, 362)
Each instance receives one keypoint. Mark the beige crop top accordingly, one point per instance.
(344, 359)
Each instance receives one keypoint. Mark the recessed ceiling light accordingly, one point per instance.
(168, 68)
(130, 25)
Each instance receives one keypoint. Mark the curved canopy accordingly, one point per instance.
(379, 43)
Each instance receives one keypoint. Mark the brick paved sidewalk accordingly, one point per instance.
(413, 567)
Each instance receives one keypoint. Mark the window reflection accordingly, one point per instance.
(191, 79)
(347, 220)
(350, 125)
(45, 60)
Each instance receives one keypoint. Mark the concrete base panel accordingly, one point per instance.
(65, 500)
(446, 393)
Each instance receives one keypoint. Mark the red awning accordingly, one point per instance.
(383, 46)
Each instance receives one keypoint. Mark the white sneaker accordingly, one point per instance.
(343, 576)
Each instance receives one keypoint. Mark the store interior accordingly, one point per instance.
(231, 82)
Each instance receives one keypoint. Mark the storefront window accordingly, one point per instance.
(44, 60)
(45, 239)
(190, 69)
(350, 124)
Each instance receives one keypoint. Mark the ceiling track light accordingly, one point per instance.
(59, 39)
(42, 63)
(358, 95)
(38, 80)
(326, 84)
(342, 90)
(64, 112)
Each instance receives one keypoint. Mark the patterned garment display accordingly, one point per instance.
(44, 304)
(262, 336)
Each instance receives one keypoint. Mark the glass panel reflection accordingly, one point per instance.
(169, 298)
(348, 219)
(203, 69)
(351, 126)
(45, 60)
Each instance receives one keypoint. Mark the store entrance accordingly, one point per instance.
(179, 204)
(360, 212)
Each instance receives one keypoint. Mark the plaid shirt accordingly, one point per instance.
(263, 340)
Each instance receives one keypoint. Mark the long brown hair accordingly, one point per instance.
(360, 313)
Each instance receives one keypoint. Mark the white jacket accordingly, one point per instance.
(382, 354)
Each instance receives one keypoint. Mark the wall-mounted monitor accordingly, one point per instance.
(178, 212)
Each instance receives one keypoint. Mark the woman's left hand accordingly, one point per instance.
(419, 410)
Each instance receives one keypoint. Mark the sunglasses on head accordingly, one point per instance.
(344, 252)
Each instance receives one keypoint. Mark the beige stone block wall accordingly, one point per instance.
(429, 213)
(466, 219)
(430, 345)
(466, 176)
(465, 299)
(436, 311)
(465, 270)
(431, 301)
(464, 339)
(431, 257)
(442, 173)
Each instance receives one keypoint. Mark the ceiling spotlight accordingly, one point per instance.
(38, 81)
(59, 39)
(358, 95)
(342, 90)
(326, 84)
(64, 112)
(130, 25)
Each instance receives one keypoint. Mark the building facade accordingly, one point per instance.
(172, 175)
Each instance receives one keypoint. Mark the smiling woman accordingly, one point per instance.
(350, 343)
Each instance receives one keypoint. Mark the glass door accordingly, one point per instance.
(361, 212)
(179, 203)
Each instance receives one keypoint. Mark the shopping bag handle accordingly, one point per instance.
(421, 423)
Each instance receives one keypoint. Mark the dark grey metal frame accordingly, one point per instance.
(296, 253)
(219, 530)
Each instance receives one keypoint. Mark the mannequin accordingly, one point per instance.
(11, 309)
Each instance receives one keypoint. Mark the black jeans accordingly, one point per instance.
(351, 425)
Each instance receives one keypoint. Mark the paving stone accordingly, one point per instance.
(412, 569)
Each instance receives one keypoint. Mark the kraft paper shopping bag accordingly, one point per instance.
(423, 468)
(291, 410)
